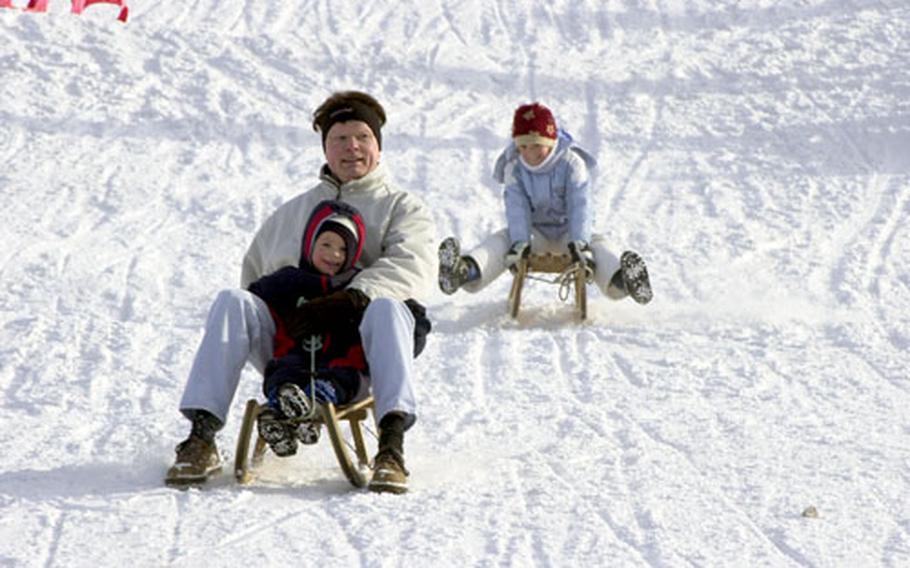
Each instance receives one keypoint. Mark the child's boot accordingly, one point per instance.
(295, 403)
(454, 270)
(308, 432)
(635, 279)
(276, 433)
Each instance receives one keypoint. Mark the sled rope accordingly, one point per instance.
(565, 279)
(313, 344)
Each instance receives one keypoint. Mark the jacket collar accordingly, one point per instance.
(373, 179)
(564, 143)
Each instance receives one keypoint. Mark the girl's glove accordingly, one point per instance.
(519, 251)
(581, 252)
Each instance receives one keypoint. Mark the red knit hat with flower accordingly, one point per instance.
(534, 124)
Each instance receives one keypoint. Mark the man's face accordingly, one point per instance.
(351, 150)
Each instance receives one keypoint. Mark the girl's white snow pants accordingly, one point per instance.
(240, 329)
(490, 256)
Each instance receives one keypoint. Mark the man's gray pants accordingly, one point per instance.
(240, 330)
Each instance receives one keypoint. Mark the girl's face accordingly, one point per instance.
(329, 253)
(534, 154)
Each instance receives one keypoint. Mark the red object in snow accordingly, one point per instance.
(79, 5)
(36, 6)
(6, 4)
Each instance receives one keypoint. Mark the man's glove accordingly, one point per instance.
(339, 310)
(520, 250)
(581, 252)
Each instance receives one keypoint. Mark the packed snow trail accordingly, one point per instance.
(754, 152)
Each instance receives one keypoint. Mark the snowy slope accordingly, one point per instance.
(756, 152)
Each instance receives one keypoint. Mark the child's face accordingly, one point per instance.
(534, 154)
(329, 253)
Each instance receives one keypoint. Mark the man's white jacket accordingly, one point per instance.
(398, 260)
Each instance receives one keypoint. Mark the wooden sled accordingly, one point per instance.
(569, 274)
(356, 467)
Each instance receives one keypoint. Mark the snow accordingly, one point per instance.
(755, 152)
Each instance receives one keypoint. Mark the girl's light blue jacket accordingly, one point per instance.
(552, 199)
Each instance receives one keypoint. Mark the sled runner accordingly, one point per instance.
(568, 274)
(347, 442)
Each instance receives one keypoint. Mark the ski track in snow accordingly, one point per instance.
(754, 152)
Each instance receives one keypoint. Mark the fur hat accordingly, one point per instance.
(340, 218)
(534, 124)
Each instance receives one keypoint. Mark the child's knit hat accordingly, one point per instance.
(340, 218)
(534, 124)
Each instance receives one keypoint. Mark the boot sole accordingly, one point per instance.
(308, 433)
(187, 480)
(294, 402)
(449, 253)
(277, 437)
(635, 277)
(388, 487)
